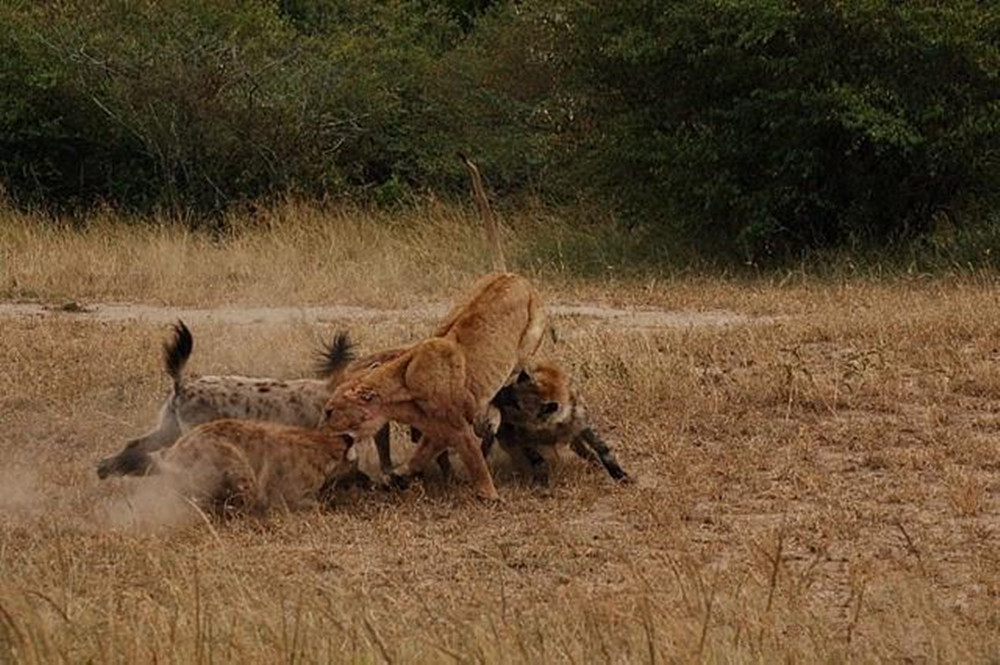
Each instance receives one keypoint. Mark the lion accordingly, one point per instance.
(235, 466)
(443, 385)
(542, 409)
(485, 427)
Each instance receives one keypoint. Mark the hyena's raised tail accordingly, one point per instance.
(335, 356)
(176, 353)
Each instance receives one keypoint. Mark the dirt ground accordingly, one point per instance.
(818, 479)
(619, 316)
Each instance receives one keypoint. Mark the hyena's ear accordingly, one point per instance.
(548, 408)
(524, 377)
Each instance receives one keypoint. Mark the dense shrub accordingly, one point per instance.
(754, 128)
(201, 104)
(770, 125)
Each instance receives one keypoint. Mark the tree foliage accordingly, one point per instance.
(755, 127)
(784, 125)
(201, 104)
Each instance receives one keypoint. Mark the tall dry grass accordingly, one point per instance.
(301, 254)
(294, 254)
(820, 485)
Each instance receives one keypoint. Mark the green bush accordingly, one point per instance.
(757, 129)
(50, 145)
(151, 104)
(769, 126)
(187, 103)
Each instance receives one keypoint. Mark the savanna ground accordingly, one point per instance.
(818, 478)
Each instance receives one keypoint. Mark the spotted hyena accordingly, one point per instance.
(197, 400)
(542, 408)
(229, 466)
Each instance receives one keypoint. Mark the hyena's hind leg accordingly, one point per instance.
(134, 459)
(235, 501)
(529, 456)
(382, 447)
(589, 445)
(443, 461)
(384, 450)
(355, 477)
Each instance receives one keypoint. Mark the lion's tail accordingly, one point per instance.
(486, 212)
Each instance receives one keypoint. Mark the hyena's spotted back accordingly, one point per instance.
(198, 400)
(207, 398)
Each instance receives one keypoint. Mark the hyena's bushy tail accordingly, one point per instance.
(176, 353)
(335, 355)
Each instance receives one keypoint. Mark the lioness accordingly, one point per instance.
(487, 426)
(229, 465)
(443, 385)
(542, 408)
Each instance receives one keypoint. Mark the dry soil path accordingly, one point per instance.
(595, 312)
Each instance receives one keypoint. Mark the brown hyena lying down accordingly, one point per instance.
(231, 466)
(197, 400)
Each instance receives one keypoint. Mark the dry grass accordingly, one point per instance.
(293, 254)
(821, 487)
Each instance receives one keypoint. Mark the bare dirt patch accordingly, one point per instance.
(626, 318)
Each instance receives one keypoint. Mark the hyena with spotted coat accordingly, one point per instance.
(235, 466)
(542, 408)
(197, 400)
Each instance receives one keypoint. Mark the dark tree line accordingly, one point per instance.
(751, 126)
